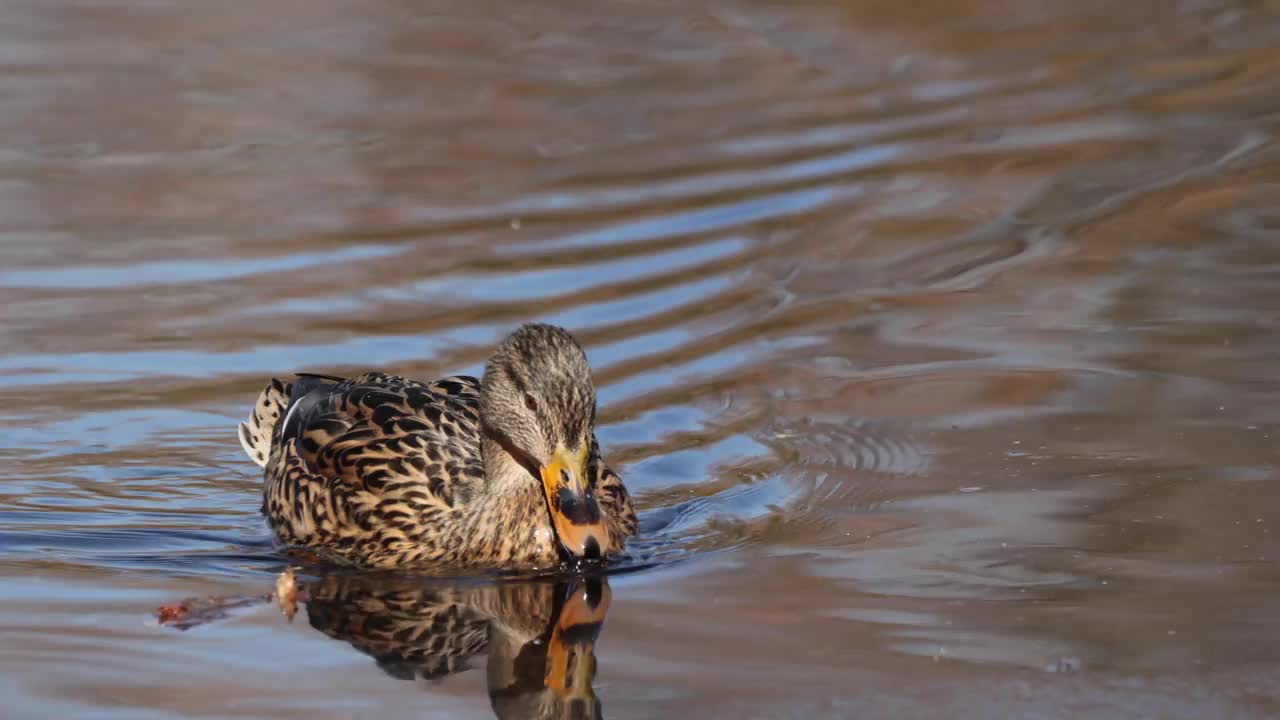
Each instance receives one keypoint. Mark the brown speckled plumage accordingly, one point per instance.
(381, 471)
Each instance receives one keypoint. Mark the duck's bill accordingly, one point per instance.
(575, 514)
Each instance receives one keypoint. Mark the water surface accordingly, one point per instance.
(937, 344)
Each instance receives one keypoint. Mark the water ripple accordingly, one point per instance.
(171, 272)
(931, 332)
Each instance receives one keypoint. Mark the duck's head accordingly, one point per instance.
(537, 401)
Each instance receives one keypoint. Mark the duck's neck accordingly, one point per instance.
(507, 520)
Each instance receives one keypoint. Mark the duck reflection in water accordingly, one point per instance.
(539, 636)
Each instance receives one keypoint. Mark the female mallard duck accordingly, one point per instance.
(502, 472)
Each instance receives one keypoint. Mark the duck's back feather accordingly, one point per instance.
(373, 455)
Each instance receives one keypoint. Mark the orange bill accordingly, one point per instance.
(575, 514)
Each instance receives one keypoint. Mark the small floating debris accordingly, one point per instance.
(193, 612)
(1068, 664)
(287, 593)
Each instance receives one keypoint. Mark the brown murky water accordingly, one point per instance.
(939, 343)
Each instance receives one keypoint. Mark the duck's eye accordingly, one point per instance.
(530, 403)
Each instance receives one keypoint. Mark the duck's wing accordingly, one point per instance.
(301, 401)
(375, 451)
(373, 426)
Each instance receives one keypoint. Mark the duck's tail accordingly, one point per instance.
(276, 404)
(256, 432)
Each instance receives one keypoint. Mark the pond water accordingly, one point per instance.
(938, 344)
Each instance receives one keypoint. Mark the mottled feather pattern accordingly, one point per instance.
(256, 433)
(615, 502)
(380, 471)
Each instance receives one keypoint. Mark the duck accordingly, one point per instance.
(501, 472)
